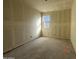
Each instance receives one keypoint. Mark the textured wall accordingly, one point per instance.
(59, 25)
(73, 25)
(21, 24)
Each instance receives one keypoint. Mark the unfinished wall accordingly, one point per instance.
(59, 25)
(21, 24)
(73, 24)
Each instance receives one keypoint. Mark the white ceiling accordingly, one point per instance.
(50, 5)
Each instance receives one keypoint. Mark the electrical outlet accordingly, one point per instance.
(31, 36)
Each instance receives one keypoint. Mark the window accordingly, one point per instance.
(46, 21)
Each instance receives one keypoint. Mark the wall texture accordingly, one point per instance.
(73, 24)
(21, 24)
(59, 25)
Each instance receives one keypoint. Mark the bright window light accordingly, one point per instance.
(46, 21)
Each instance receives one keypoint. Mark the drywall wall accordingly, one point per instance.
(59, 24)
(21, 24)
(73, 24)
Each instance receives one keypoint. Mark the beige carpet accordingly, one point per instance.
(44, 48)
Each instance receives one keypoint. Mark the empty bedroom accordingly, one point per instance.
(39, 29)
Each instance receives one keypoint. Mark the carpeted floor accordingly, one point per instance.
(44, 48)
